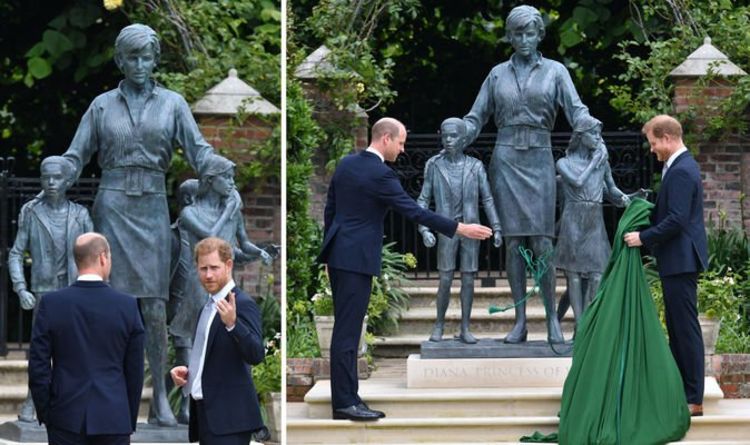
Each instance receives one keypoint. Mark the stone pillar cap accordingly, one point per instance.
(318, 65)
(232, 96)
(707, 59)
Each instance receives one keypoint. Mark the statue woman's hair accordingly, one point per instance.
(133, 38)
(520, 17)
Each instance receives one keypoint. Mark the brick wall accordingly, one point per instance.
(732, 371)
(725, 163)
(721, 169)
(302, 373)
(326, 113)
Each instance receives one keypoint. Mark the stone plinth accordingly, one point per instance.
(493, 348)
(486, 372)
(144, 433)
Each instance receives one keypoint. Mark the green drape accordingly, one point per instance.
(623, 386)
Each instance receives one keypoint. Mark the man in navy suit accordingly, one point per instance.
(224, 408)
(362, 189)
(677, 239)
(86, 355)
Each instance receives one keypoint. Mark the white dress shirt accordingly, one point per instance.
(372, 150)
(90, 277)
(197, 390)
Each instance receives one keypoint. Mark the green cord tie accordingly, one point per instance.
(536, 268)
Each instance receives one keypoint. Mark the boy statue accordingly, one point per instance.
(456, 182)
(48, 225)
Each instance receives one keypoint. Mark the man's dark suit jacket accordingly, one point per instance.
(86, 360)
(229, 396)
(361, 191)
(677, 237)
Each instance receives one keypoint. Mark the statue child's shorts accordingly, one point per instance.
(447, 248)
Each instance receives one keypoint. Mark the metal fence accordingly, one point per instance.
(15, 323)
(632, 168)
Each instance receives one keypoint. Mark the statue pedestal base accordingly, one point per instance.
(486, 372)
(33, 432)
(492, 348)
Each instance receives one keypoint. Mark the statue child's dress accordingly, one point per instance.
(582, 243)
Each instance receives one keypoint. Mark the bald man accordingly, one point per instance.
(362, 189)
(86, 355)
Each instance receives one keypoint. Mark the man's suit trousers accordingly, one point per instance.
(58, 436)
(351, 296)
(685, 338)
(209, 438)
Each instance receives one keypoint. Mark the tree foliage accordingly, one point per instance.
(56, 62)
(436, 54)
(673, 30)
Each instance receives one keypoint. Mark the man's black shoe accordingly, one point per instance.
(354, 412)
(363, 405)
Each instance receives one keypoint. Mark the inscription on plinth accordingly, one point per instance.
(486, 372)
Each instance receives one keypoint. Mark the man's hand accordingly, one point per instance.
(27, 299)
(227, 309)
(179, 375)
(473, 231)
(428, 238)
(633, 239)
(497, 238)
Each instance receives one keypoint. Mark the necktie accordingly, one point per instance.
(201, 331)
(664, 170)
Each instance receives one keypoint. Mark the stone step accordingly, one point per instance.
(399, 402)
(402, 346)
(423, 296)
(420, 320)
(14, 372)
(717, 429)
(13, 395)
(411, 420)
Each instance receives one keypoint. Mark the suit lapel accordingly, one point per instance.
(660, 200)
(213, 330)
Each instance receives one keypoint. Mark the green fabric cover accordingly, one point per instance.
(623, 386)
(538, 437)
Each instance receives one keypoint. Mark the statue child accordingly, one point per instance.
(583, 248)
(48, 225)
(456, 182)
(214, 209)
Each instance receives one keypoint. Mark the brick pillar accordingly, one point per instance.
(262, 202)
(326, 113)
(724, 163)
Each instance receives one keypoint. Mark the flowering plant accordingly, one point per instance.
(322, 300)
(717, 294)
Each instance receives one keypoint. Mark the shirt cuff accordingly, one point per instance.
(230, 329)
